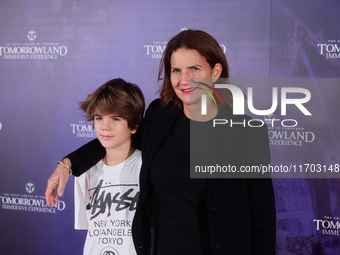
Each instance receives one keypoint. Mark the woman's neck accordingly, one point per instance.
(194, 112)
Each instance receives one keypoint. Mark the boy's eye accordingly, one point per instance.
(116, 119)
(97, 118)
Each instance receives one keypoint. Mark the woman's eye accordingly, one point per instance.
(175, 71)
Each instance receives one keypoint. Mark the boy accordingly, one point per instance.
(106, 196)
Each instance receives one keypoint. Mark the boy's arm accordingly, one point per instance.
(81, 199)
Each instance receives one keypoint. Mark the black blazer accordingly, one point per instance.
(241, 212)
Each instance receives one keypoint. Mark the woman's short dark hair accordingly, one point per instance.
(208, 47)
(116, 96)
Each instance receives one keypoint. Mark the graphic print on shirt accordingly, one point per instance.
(111, 210)
(101, 202)
(106, 200)
(109, 251)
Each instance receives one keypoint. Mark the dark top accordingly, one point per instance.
(182, 218)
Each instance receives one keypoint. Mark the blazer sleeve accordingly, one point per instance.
(86, 156)
(261, 198)
(262, 216)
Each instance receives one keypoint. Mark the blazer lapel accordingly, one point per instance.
(211, 145)
(158, 130)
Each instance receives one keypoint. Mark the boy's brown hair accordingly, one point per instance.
(119, 97)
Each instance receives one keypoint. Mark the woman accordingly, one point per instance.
(176, 214)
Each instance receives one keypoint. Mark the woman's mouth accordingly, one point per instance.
(188, 90)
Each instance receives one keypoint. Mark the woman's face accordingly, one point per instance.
(184, 65)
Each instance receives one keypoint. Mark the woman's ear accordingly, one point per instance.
(217, 70)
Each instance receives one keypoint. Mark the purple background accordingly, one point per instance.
(109, 39)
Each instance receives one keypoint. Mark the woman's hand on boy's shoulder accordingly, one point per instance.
(58, 179)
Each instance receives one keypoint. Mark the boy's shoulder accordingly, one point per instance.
(136, 158)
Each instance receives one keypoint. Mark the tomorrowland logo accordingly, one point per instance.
(32, 50)
(269, 118)
(156, 49)
(31, 35)
(30, 187)
(83, 129)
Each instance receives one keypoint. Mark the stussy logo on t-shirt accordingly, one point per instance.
(102, 201)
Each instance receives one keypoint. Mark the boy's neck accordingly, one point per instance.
(115, 157)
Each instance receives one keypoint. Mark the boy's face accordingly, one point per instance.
(112, 131)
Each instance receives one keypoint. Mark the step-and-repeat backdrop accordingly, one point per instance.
(54, 53)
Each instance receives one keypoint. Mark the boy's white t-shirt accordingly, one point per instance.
(105, 203)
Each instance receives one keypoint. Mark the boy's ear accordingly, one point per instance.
(133, 131)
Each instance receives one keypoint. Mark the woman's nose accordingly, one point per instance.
(185, 78)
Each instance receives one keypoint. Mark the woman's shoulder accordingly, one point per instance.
(156, 106)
